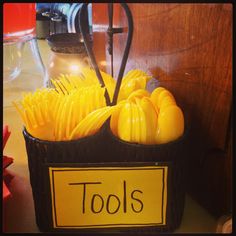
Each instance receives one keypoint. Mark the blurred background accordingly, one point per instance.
(54, 18)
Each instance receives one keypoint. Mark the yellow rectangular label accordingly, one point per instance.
(101, 197)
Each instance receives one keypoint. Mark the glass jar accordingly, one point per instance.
(68, 55)
(23, 69)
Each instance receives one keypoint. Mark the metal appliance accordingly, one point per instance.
(55, 18)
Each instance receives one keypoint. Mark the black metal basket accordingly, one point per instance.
(103, 148)
(97, 149)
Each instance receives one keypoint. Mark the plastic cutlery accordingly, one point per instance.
(35, 123)
(115, 118)
(138, 94)
(150, 117)
(125, 122)
(170, 124)
(91, 123)
(142, 123)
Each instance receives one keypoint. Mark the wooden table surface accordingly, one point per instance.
(19, 209)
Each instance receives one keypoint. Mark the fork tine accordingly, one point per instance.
(63, 119)
(20, 111)
(58, 117)
(38, 114)
(45, 111)
(29, 124)
(57, 86)
(32, 118)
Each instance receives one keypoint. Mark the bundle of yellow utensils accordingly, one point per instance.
(73, 109)
(53, 116)
(76, 108)
(133, 80)
(146, 118)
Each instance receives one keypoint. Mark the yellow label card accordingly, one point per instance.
(101, 197)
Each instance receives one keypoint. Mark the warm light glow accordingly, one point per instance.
(74, 68)
(103, 63)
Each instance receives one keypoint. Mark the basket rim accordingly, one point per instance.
(106, 128)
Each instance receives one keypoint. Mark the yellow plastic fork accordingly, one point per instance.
(36, 122)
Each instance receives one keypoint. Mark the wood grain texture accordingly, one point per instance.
(100, 26)
(100, 19)
(188, 49)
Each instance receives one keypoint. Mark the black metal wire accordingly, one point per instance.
(126, 52)
(110, 34)
(89, 49)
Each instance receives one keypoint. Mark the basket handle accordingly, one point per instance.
(89, 49)
(111, 32)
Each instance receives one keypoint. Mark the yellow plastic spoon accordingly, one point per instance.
(166, 101)
(162, 95)
(170, 124)
(138, 94)
(151, 119)
(115, 118)
(133, 124)
(125, 122)
(137, 124)
(142, 123)
(91, 123)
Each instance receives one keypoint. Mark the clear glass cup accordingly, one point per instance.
(12, 55)
(21, 54)
(23, 71)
